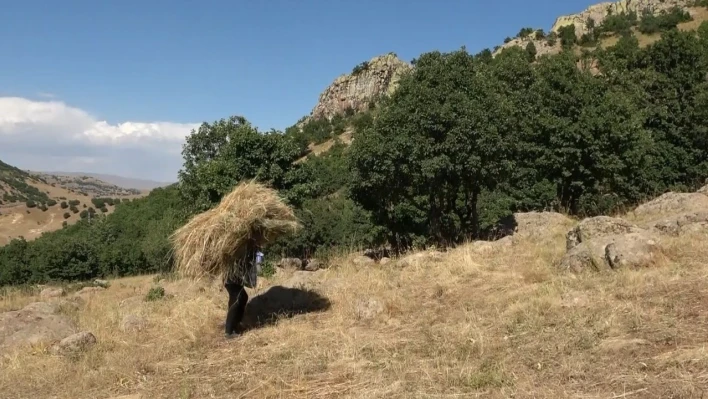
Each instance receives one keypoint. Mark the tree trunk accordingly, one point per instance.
(475, 212)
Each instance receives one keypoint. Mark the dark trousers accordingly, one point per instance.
(237, 305)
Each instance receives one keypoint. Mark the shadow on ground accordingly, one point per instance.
(281, 302)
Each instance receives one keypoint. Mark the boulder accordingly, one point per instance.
(36, 323)
(313, 265)
(133, 323)
(671, 203)
(101, 283)
(691, 222)
(369, 308)
(290, 264)
(599, 226)
(704, 189)
(75, 343)
(52, 292)
(630, 250)
(535, 224)
(362, 260)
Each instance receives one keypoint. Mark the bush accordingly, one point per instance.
(51, 202)
(567, 36)
(155, 293)
(74, 209)
(67, 215)
(64, 205)
(360, 68)
(30, 204)
(84, 214)
(43, 208)
(524, 32)
(651, 23)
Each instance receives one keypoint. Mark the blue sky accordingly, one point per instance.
(186, 61)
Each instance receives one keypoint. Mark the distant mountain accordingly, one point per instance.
(120, 181)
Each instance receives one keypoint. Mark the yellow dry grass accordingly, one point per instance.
(213, 242)
(495, 324)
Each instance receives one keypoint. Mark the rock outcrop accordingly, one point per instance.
(599, 12)
(36, 323)
(369, 81)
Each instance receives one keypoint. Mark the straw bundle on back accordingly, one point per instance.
(214, 242)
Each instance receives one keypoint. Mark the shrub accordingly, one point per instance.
(30, 204)
(51, 202)
(64, 205)
(74, 209)
(155, 294)
(67, 215)
(360, 68)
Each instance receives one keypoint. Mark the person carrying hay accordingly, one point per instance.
(224, 242)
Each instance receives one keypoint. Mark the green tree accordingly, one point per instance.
(422, 166)
(219, 155)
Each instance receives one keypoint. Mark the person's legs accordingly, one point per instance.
(238, 298)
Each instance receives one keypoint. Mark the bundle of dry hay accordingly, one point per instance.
(214, 242)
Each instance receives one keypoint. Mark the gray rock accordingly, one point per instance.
(612, 252)
(52, 292)
(672, 203)
(133, 323)
(369, 308)
(313, 265)
(704, 189)
(290, 264)
(75, 343)
(631, 251)
(599, 226)
(101, 283)
(692, 222)
(362, 260)
(36, 323)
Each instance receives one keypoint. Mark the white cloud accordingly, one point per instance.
(53, 136)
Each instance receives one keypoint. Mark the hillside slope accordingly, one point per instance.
(496, 320)
(32, 204)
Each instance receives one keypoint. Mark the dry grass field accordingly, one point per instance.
(498, 323)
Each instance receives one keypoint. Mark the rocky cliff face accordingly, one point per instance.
(370, 80)
(599, 12)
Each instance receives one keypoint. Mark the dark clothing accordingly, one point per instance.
(237, 304)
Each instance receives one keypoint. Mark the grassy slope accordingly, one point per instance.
(493, 324)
